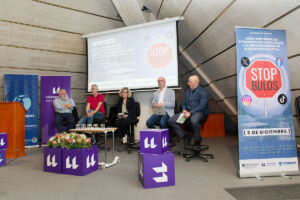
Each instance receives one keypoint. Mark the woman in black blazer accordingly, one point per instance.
(126, 112)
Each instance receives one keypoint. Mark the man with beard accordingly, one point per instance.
(63, 107)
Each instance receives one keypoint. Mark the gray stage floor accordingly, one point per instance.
(23, 178)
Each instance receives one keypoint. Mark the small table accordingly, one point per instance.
(105, 131)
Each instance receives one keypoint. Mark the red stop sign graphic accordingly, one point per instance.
(159, 55)
(263, 78)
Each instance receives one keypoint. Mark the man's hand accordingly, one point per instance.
(90, 114)
(155, 105)
(159, 105)
(68, 105)
(187, 114)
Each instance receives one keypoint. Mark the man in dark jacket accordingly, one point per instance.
(194, 107)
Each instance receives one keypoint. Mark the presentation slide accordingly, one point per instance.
(133, 57)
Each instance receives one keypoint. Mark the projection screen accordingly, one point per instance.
(133, 56)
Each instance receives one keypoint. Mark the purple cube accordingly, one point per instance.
(2, 157)
(53, 160)
(154, 141)
(156, 170)
(80, 162)
(3, 140)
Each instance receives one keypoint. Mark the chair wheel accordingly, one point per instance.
(205, 160)
(212, 157)
(129, 152)
(187, 159)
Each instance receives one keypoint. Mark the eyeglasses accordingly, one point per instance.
(160, 81)
(124, 92)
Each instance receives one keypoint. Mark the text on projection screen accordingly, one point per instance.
(133, 58)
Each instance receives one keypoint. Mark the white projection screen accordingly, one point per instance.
(134, 56)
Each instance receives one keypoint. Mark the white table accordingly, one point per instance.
(104, 131)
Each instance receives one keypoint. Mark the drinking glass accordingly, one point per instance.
(95, 125)
(77, 126)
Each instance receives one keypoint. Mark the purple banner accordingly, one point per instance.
(50, 85)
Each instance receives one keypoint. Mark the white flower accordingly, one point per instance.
(83, 136)
(52, 138)
(67, 136)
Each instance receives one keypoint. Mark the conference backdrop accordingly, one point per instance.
(265, 120)
(50, 86)
(24, 89)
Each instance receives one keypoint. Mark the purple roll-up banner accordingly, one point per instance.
(50, 85)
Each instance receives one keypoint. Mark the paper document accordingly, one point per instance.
(181, 119)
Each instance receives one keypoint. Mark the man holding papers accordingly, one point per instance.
(194, 108)
(163, 105)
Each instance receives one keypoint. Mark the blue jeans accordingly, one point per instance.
(163, 121)
(195, 120)
(89, 120)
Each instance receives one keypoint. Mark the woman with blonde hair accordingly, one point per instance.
(126, 112)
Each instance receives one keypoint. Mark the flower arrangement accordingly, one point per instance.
(69, 141)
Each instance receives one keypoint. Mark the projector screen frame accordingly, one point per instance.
(167, 20)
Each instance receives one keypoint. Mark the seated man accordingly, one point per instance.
(194, 107)
(94, 107)
(63, 107)
(163, 97)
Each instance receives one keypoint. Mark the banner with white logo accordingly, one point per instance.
(265, 121)
(24, 89)
(50, 85)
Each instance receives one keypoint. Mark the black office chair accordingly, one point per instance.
(131, 144)
(196, 151)
(297, 104)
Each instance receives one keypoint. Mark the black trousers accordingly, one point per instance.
(64, 121)
(123, 125)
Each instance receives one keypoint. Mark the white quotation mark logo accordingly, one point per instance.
(164, 142)
(52, 162)
(163, 169)
(92, 163)
(73, 165)
(141, 168)
(2, 143)
(147, 145)
(55, 90)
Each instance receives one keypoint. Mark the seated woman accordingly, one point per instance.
(126, 112)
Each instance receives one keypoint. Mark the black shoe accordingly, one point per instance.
(197, 145)
(187, 140)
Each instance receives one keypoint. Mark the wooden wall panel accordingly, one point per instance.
(98, 7)
(292, 31)
(220, 35)
(228, 87)
(201, 13)
(40, 38)
(78, 80)
(34, 13)
(221, 66)
(41, 60)
(172, 8)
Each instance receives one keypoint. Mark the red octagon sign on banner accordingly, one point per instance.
(263, 79)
